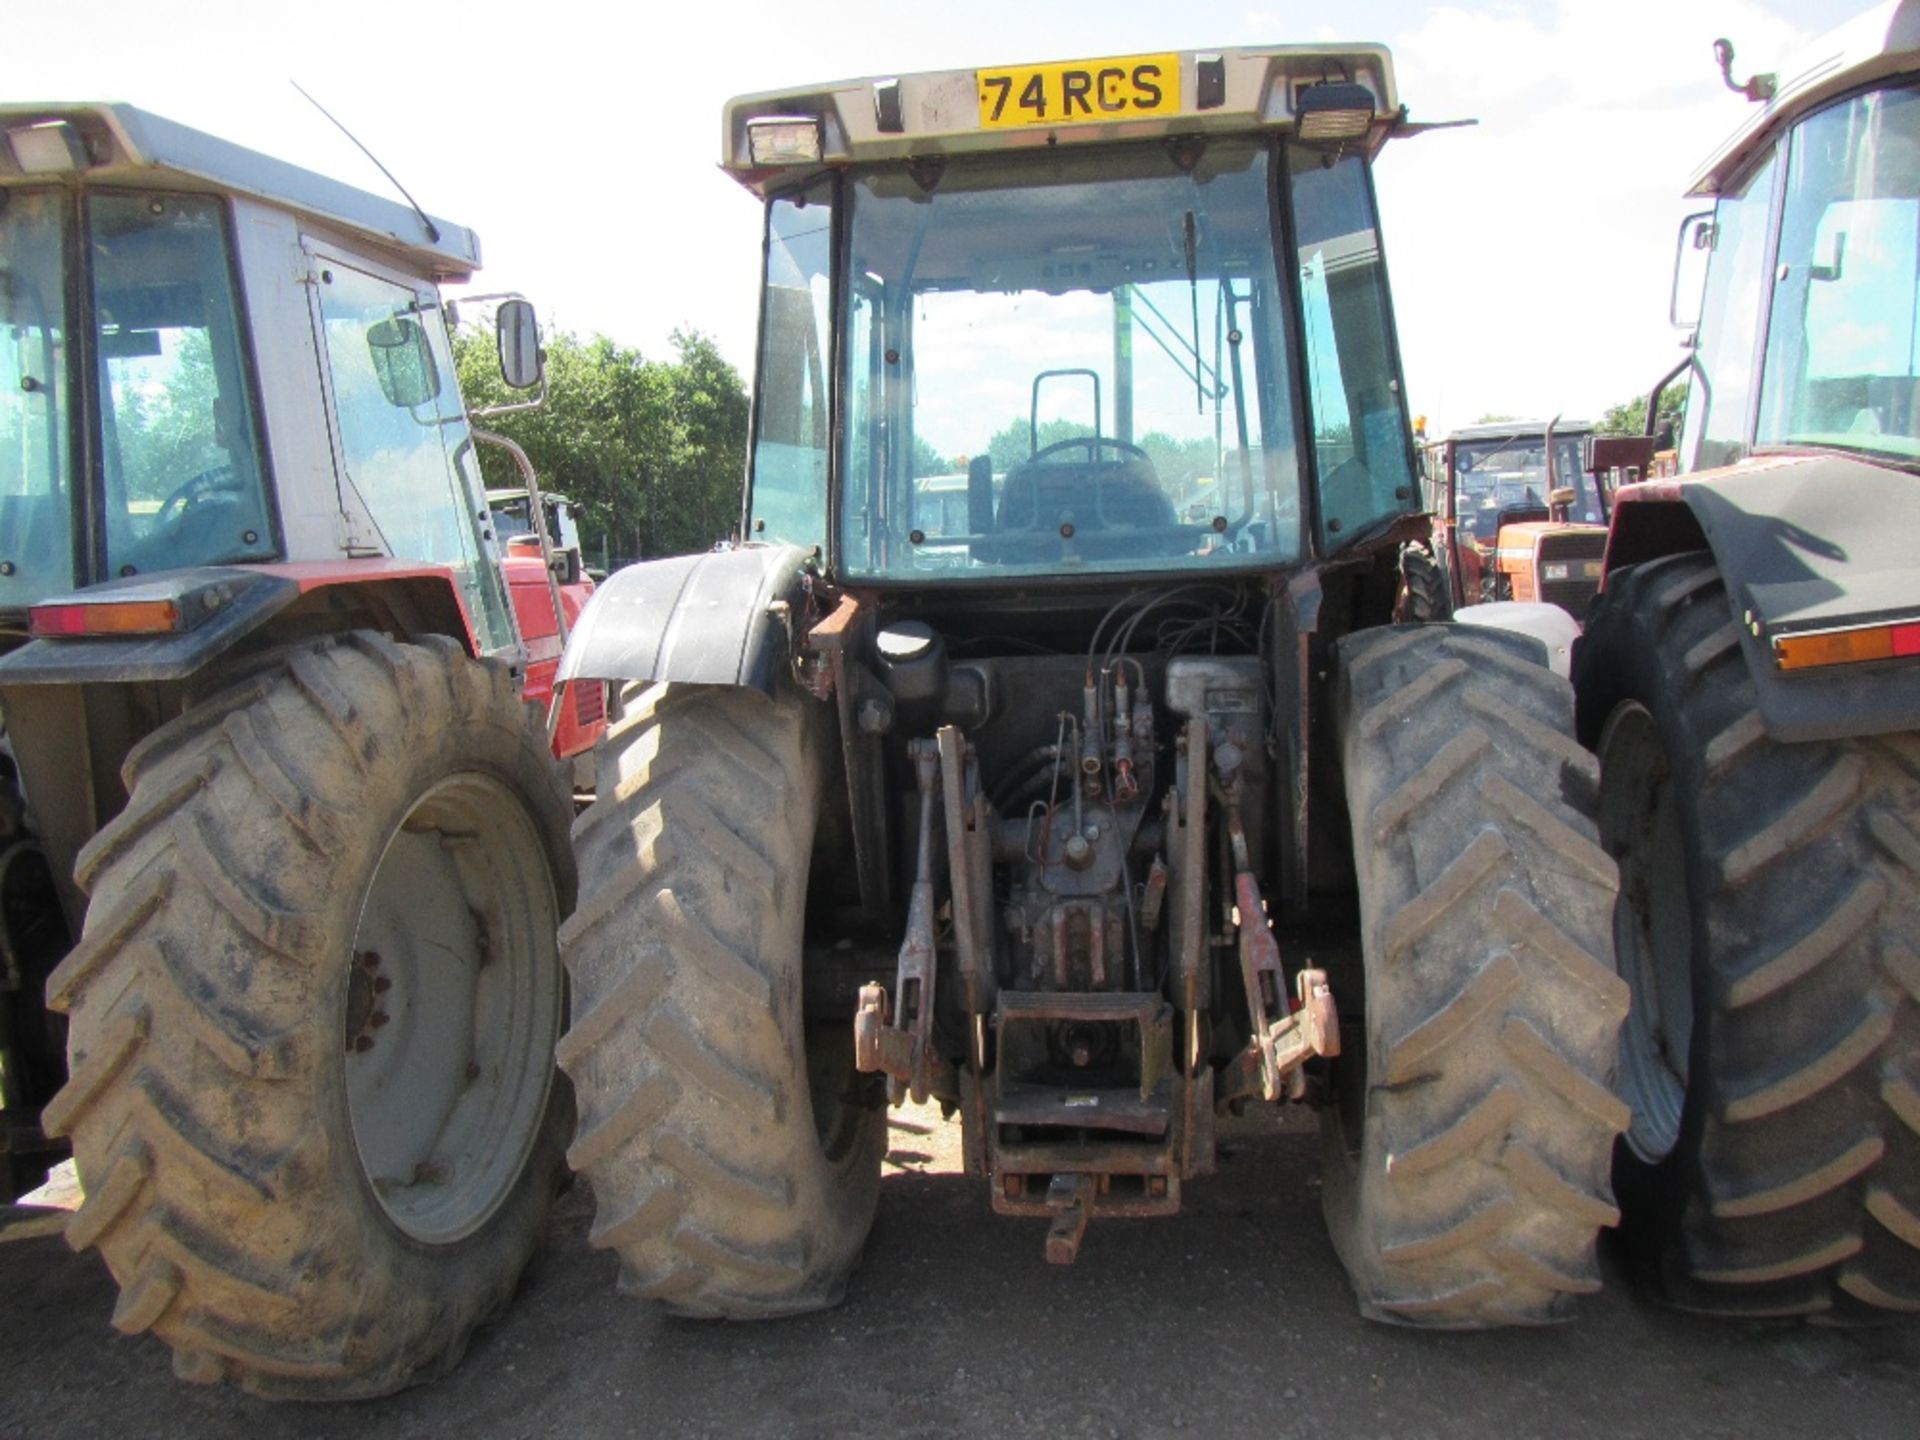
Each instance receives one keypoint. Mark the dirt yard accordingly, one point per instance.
(1233, 1319)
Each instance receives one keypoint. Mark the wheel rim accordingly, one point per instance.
(452, 1009)
(1640, 826)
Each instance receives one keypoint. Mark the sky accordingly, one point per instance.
(1530, 256)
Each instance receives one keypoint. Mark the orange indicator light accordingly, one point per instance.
(1847, 647)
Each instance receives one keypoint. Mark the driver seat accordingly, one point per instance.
(1094, 494)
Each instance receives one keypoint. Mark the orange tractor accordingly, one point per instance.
(1518, 515)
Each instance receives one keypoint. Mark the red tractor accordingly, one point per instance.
(1750, 678)
(550, 586)
(283, 849)
(1517, 515)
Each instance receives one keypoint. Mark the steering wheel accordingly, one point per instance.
(1091, 444)
(201, 487)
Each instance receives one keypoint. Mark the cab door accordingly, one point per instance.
(402, 449)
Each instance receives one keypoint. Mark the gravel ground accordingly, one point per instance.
(1232, 1318)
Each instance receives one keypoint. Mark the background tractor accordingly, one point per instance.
(267, 765)
(1518, 515)
(549, 585)
(1750, 678)
(1107, 797)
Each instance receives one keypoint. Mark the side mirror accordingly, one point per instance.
(403, 361)
(518, 330)
(1698, 233)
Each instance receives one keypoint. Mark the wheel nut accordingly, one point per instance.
(379, 1019)
(473, 1070)
(363, 1043)
(381, 984)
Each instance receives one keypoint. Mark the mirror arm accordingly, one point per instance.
(487, 412)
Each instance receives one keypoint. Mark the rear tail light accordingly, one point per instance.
(1847, 647)
(102, 617)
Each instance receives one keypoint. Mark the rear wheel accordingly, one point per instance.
(1770, 925)
(734, 1150)
(313, 1012)
(1468, 1143)
(1423, 593)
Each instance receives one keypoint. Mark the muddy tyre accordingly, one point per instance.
(312, 1014)
(1770, 926)
(734, 1151)
(1467, 1147)
(1423, 594)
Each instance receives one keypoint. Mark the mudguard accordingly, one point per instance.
(1805, 543)
(708, 619)
(1552, 627)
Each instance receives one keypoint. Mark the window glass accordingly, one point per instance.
(405, 449)
(791, 428)
(866, 443)
(1076, 363)
(1843, 345)
(1505, 477)
(180, 455)
(1715, 431)
(1362, 439)
(36, 498)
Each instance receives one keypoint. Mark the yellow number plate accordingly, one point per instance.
(1124, 88)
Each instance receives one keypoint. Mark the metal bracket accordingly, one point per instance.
(1282, 1041)
(898, 1039)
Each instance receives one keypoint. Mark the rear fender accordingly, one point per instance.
(226, 605)
(1804, 542)
(710, 619)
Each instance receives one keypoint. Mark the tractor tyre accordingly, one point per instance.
(1770, 927)
(1472, 1121)
(1423, 593)
(733, 1149)
(312, 1017)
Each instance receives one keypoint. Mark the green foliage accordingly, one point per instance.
(928, 461)
(653, 451)
(1629, 417)
(165, 431)
(1493, 419)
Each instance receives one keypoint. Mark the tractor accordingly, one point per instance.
(1750, 681)
(548, 581)
(1105, 797)
(1518, 515)
(285, 851)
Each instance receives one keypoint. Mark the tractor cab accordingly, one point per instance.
(211, 358)
(1172, 355)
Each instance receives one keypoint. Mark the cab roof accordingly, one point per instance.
(1881, 43)
(118, 144)
(939, 113)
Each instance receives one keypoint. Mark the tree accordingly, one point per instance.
(652, 451)
(928, 461)
(1629, 417)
